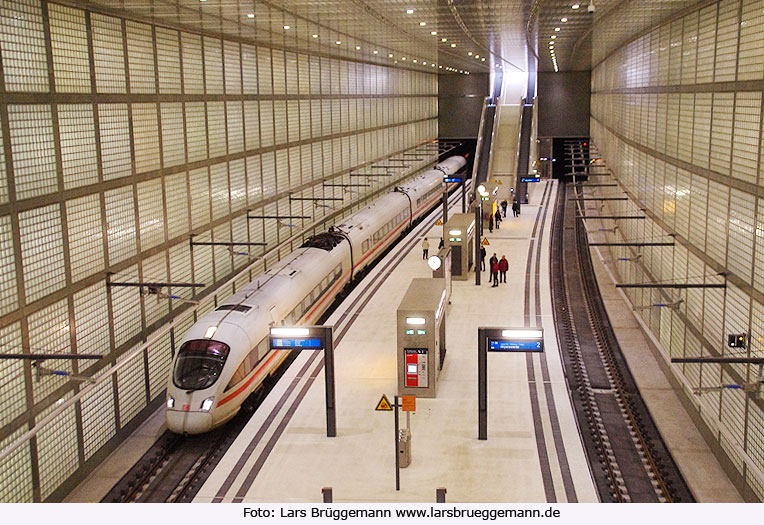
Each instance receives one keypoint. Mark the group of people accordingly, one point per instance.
(498, 267)
(497, 217)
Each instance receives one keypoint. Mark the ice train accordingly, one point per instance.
(224, 356)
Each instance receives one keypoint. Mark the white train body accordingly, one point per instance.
(224, 356)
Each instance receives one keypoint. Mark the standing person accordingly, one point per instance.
(425, 248)
(440, 244)
(515, 208)
(493, 260)
(498, 219)
(504, 207)
(495, 270)
(503, 267)
(490, 223)
(482, 258)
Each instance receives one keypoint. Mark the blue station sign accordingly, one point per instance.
(497, 345)
(295, 342)
(452, 179)
(529, 179)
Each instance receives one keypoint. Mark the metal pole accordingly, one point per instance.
(478, 238)
(445, 205)
(331, 411)
(326, 492)
(464, 198)
(397, 459)
(440, 495)
(482, 386)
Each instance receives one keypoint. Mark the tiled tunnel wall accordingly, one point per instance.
(677, 115)
(118, 140)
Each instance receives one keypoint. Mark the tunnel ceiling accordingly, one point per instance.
(446, 35)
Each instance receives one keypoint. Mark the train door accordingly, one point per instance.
(456, 260)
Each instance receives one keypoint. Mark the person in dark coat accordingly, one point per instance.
(503, 267)
(515, 208)
(440, 244)
(491, 262)
(495, 270)
(504, 207)
(490, 223)
(482, 258)
(498, 219)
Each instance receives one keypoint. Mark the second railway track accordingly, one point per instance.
(630, 462)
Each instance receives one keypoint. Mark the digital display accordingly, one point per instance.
(409, 332)
(295, 343)
(452, 179)
(421, 332)
(411, 369)
(508, 346)
(529, 179)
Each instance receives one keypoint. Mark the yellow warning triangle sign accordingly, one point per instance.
(499, 182)
(384, 404)
(439, 223)
(485, 242)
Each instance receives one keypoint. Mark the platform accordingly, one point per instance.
(533, 452)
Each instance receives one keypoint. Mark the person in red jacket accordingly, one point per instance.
(495, 272)
(503, 267)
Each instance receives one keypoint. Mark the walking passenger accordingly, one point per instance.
(498, 219)
(482, 258)
(440, 244)
(515, 208)
(425, 248)
(504, 207)
(503, 267)
(490, 223)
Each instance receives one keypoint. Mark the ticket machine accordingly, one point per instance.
(459, 237)
(421, 337)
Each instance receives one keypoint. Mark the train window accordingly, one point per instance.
(234, 307)
(199, 364)
(365, 246)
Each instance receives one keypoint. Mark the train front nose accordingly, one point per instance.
(187, 422)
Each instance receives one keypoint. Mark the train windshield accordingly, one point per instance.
(199, 364)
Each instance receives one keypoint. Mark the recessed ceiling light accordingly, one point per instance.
(287, 27)
(409, 11)
(444, 39)
(553, 37)
(375, 52)
(434, 65)
(433, 32)
(314, 36)
(477, 56)
(338, 42)
(390, 55)
(415, 61)
(403, 58)
(357, 48)
(440, 67)
(251, 15)
(422, 24)
(575, 6)
(453, 45)
(556, 28)
(482, 59)
(469, 54)
(563, 20)
(424, 63)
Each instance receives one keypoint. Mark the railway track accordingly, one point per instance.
(629, 460)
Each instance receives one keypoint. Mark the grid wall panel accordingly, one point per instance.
(49, 332)
(42, 251)
(69, 43)
(25, 65)
(78, 157)
(33, 149)
(56, 452)
(115, 140)
(13, 401)
(92, 327)
(168, 60)
(85, 236)
(108, 54)
(8, 290)
(140, 58)
(98, 423)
